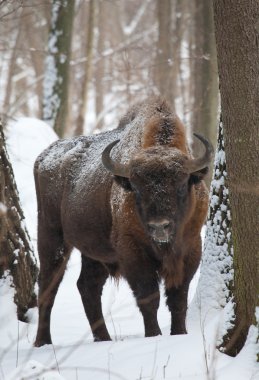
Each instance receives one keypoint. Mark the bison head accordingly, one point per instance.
(162, 180)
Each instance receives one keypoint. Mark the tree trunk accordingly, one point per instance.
(236, 28)
(164, 59)
(56, 81)
(88, 70)
(180, 13)
(11, 71)
(16, 253)
(37, 64)
(205, 75)
(99, 73)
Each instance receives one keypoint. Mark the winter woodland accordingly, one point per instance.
(72, 67)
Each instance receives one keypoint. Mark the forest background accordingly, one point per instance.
(118, 52)
(79, 65)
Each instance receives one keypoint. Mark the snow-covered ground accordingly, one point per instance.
(130, 356)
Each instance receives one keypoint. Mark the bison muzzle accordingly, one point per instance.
(133, 201)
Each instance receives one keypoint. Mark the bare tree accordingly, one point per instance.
(136, 50)
(11, 72)
(83, 98)
(100, 67)
(164, 62)
(55, 86)
(16, 254)
(23, 30)
(204, 74)
(236, 28)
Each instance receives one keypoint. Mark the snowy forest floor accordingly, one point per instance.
(129, 356)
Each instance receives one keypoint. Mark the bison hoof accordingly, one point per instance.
(178, 332)
(102, 339)
(41, 342)
(154, 332)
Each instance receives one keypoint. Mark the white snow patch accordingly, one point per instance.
(73, 354)
(34, 370)
(26, 139)
(3, 208)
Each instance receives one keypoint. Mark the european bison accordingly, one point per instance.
(132, 200)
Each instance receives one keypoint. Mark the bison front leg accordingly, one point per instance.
(148, 303)
(177, 296)
(144, 285)
(177, 304)
(90, 285)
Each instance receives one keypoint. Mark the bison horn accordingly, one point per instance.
(200, 163)
(114, 167)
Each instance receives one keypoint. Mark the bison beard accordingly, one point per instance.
(133, 201)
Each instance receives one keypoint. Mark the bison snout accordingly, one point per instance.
(160, 230)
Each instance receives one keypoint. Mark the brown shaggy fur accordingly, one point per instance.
(144, 226)
(168, 131)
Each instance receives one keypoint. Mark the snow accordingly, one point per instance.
(3, 209)
(217, 264)
(130, 356)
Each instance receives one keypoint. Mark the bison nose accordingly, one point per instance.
(163, 224)
(159, 230)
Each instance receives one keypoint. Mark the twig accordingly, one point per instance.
(17, 346)
(55, 357)
(140, 375)
(154, 363)
(164, 367)
(114, 328)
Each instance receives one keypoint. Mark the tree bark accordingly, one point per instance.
(100, 69)
(164, 59)
(88, 70)
(16, 254)
(236, 28)
(180, 15)
(205, 75)
(56, 81)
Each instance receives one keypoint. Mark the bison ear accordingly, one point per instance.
(123, 182)
(196, 177)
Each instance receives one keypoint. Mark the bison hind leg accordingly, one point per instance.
(54, 255)
(90, 285)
